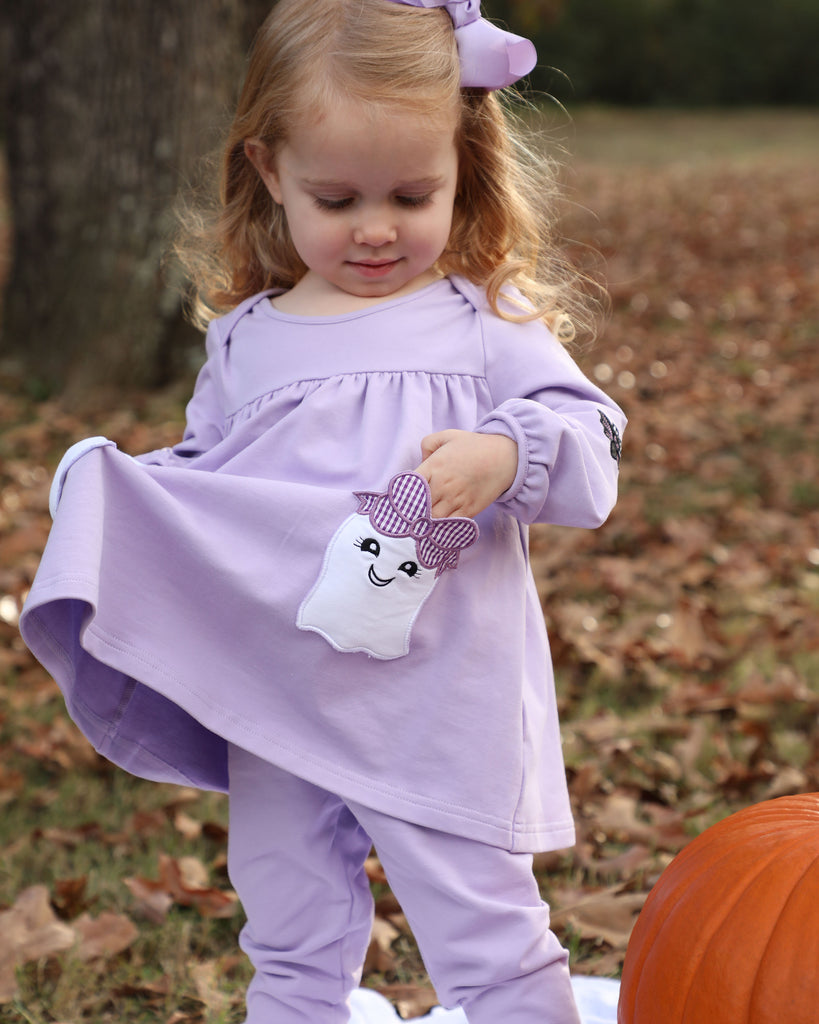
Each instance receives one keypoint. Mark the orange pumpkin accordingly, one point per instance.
(730, 932)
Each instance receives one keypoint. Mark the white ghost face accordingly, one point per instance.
(369, 592)
(383, 554)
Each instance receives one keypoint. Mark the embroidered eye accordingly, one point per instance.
(369, 545)
(410, 568)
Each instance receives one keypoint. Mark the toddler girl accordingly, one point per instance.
(320, 600)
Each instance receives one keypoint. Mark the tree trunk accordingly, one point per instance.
(109, 105)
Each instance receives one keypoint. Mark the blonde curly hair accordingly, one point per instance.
(310, 52)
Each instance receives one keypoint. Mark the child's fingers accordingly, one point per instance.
(446, 485)
(443, 502)
(432, 442)
(466, 471)
(444, 496)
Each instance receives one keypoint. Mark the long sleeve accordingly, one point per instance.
(203, 429)
(205, 412)
(567, 430)
(204, 416)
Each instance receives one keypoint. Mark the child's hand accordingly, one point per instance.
(466, 471)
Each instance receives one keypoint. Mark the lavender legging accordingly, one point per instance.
(296, 859)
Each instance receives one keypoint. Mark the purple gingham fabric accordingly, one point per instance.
(404, 510)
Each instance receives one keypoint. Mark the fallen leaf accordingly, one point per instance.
(205, 977)
(70, 838)
(151, 901)
(182, 881)
(104, 936)
(193, 875)
(11, 785)
(622, 866)
(29, 930)
(69, 897)
(380, 958)
(152, 991)
(375, 873)
(148, 823)
(606, 916)
(618, 818)
(214, 831)
(187, 826)
(788, 780)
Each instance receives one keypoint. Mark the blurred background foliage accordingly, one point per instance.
(671, 52)
(107, 109)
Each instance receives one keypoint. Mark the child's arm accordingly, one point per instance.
(566, 430)
(466, 471)
(568, 440)
(204, 423)
(205, 412)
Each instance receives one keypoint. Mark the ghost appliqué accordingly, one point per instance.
(380, 567)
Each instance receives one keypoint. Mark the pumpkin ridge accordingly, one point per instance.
(682, 876)
(687, 871)
(794, 897)
(725, 934)
(744, 884)
(712, 939)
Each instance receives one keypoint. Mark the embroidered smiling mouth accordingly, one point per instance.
(376, 580)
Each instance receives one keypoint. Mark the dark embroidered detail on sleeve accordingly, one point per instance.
(613, 434)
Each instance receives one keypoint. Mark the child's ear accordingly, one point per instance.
(265, 163)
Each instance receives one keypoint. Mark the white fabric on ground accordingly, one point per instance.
(596, 1000)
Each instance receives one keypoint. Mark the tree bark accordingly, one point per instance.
(109, 105)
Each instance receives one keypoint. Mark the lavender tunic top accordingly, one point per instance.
(172, 598)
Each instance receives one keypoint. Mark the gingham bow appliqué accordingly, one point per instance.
(404, 511)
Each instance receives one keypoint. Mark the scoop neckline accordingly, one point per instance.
(294, 318)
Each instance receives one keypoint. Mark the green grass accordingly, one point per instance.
(668, 137)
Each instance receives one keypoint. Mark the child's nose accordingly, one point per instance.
(375, 230)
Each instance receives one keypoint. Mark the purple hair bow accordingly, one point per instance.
(491, 58)
(403, 510)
